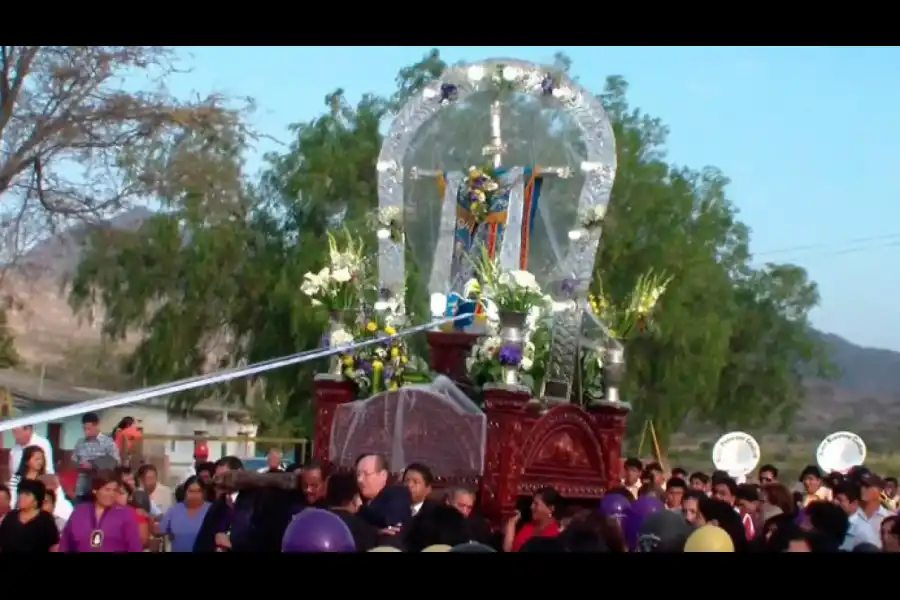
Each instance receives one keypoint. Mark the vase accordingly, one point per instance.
(510, 375)
(613, 371)
(512, 343)
(336, 324)
(512, 328)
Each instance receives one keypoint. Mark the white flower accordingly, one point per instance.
(525, 280)
(490, 310)
(599, 360)
(341, 275)
(527, 357)
(380, 352)
(490, 346)
(340, 337)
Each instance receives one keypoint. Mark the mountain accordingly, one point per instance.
(864, 397)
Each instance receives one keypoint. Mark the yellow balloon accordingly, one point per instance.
(438, 548)
(385, 549)
(709, 538)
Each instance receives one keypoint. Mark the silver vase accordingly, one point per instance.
(512, 328)
(613, 371)
(336, 324)
(510, 375)
(512, 335)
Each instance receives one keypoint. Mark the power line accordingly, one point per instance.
(888, 240)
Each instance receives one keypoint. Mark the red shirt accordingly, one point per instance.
(529, 530)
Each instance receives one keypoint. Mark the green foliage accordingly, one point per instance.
(9, 357)
(212, 282)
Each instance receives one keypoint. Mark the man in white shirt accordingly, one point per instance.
(846, 495)
(25, 436)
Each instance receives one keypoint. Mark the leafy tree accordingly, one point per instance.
(9, 357)
(224, 275)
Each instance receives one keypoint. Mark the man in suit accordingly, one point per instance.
(388, 508)
(418, 478)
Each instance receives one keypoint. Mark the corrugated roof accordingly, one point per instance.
(31, 388)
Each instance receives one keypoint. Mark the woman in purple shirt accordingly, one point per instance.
(182, 522)
(101, 525)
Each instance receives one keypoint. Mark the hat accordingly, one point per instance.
(438, 548)
(709, 538)
(385, 549)
(663, 531)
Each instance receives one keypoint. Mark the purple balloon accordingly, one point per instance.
(316, 530)
(615, 506)
(639, 510)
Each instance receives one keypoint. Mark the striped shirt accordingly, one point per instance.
(87, 450)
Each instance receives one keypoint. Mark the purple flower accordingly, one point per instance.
(449, 93)
(366, 367)
(568, 286)
(510, 355)
(326, 341)
(388, 374)
(547, 85)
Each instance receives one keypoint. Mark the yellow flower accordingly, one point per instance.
(474, 173)
(377, 364)
(478, 195)
(395, 352)
(403, 360)
(372, 327)
(393, 387)
(390, 330)
(348, 361)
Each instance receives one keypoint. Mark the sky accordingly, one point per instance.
(810, 138)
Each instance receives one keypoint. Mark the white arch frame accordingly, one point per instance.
(599, 169)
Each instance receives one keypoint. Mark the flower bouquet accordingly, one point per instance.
(480, 187)
(514, 304)
(339, 287)
(384, 366)
(622, 322)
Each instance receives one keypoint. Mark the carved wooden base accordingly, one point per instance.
(449, 350)
(330, 392)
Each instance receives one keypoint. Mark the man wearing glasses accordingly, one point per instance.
(768, 474)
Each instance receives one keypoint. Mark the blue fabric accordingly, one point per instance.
(182, 527)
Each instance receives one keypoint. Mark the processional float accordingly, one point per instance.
(550, 436)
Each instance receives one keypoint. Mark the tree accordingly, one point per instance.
(237, 279)
(78, 143)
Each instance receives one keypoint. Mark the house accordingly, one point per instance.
(208, 420)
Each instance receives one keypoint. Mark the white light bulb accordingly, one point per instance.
(476, 73)
(383, 234)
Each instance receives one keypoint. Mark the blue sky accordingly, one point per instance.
(809, 136)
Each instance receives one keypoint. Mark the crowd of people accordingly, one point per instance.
(223, 507)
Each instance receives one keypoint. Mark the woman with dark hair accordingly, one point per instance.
(29, 528)
(126, 435)
(775, 495)
(543, 523)
(125, 497)
(32, 467)
(181, 523)
(101, 524)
